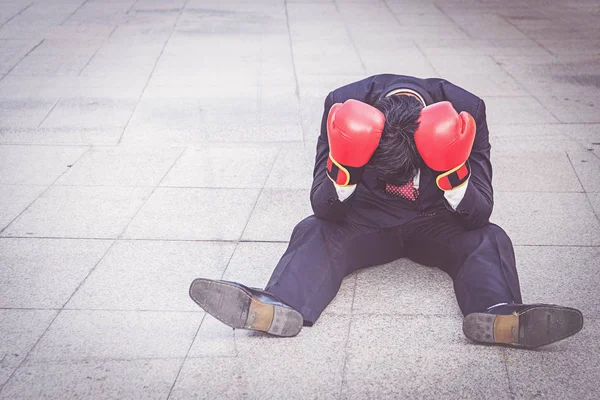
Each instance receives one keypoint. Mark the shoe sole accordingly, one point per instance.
(538, 326)
(237, 308)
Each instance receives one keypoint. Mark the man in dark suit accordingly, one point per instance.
(402, 170)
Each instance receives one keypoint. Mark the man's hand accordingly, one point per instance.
(444, 139)
(354, 129)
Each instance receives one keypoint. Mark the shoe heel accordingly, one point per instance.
(286, 322)
(490, 328)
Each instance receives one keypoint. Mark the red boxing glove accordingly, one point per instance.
(444, 139)
(354, 129)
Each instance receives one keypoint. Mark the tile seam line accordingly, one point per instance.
(185, 358)
(97, 50)
(260, 192)
(347, 341)
(362, 63)
(505, 19)
(533, 96)
(132, 6)
(162, 50)
(287, 21)
(414, 42)
(48, 113)
(198, 330)
(120, 235)
(587, 197)
(44, 191)
(96, 359)
(73, 13)
(460, 28)
(16, 15)
(28, 352)
(22, 58)
(511, 391)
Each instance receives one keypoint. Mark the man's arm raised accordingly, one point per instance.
(350, 133)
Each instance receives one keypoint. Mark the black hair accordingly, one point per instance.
(396, 158)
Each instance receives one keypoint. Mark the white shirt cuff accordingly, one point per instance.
(344, 192)
(454, 197)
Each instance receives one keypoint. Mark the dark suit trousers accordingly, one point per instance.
(320, 254)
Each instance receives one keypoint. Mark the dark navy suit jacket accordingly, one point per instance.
(369, 204)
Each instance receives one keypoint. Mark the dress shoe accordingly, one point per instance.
(242, 307)
(522, 325)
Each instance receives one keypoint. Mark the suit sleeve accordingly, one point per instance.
(323, 196)
(476, 206)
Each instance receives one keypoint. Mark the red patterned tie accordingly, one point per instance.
(407, 191)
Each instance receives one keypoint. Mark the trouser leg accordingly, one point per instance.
(481, 262)
(320, 254)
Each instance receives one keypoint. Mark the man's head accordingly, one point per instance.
(396, 158)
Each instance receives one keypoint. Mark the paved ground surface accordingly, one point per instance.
(146, 143)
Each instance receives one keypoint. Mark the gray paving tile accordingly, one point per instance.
(546, 218)
(71, 45)
(65, 211)
(404, 287)
(61, 136)
(24, 112)
(595, 201)
(13, 50)
(124, 335)
(587, 167)
(114, 87)
(484, 85)
(567, 369)
(429, 346)
(560, 275)
(14, 199)
(538, 143)
(314, 84)
(214, 339)
(448, 46)
(311, 362)
(154, 275)
(90, 113)
(482, 66)
(544, 137)
(168, 117)
(222, 167)
(193, 214)
(20, 330)
(411, 63)
(499, 46)
(573, 110)
(253, 262)
(297, 161)
(44, 273)
(121, 166)
(45, 64)
(36, 165)
(586, 134)
(290, 205)
(534, 172)
(118, 379)
(511, 110)
(266, 133)
(487, 26)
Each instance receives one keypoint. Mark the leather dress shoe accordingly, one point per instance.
(242, 307)
(522, 325)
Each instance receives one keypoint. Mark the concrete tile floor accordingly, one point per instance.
(113, 115)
